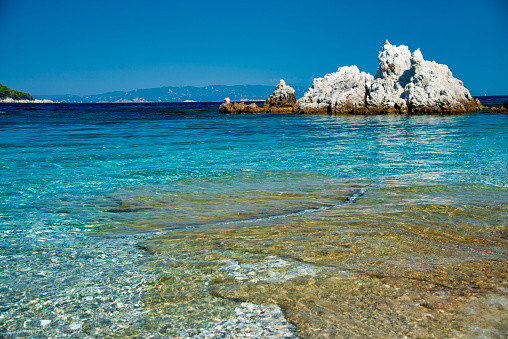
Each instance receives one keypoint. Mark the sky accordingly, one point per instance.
(96, 46)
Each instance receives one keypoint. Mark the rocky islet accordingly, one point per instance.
(405, 83)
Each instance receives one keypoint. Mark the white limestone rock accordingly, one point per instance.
(404, 84)
(387, 89)
(393, 61)
(341, 92)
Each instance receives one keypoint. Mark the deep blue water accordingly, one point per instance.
(58, 162)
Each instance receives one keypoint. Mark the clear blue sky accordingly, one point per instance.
(91, 47)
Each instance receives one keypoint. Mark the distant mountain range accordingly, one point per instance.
(179, 94)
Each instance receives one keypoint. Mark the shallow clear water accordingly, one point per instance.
(153, 219)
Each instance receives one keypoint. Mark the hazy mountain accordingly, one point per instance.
(179, 94)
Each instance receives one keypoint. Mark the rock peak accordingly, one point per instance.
(281, 84)
(282, 98)
(393, 60)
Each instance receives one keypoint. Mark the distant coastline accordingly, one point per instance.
(213, 93)
(188, 94)
(489, 101)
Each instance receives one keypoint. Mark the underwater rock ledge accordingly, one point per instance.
(405, 83)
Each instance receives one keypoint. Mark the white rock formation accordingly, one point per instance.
(344, 90)
(35, 101)
(387, 90)
(404, 83)
(433, 86)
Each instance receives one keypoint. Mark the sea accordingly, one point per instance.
(170, 220)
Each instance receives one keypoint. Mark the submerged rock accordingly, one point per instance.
(405, 83)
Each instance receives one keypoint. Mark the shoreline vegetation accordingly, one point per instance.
(7, 93)
(11, 96)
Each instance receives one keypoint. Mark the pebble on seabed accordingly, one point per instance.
(252, 321)
(91, 286)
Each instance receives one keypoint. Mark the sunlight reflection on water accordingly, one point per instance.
(125, 219)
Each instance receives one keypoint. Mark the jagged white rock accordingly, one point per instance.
(433, 85)
(344, 89)
(404, 83)
(387, 89)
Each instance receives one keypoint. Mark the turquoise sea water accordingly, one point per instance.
(91, 195)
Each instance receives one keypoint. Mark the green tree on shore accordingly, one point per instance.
(6, 92)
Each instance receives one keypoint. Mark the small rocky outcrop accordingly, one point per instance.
(502, 109)
(282, 100)
(240, 108)
(405, 83)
